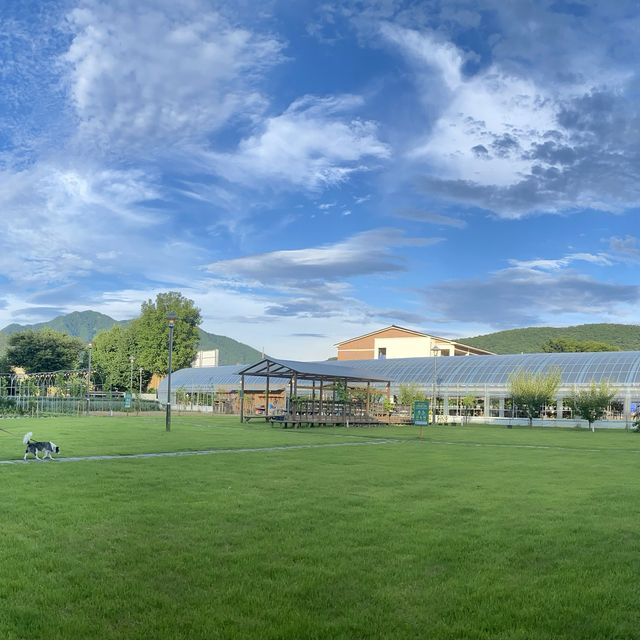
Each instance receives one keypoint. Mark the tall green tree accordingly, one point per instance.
(44, 350)
(533, 391)
(112, 350)
(151, 332)
(592, 403)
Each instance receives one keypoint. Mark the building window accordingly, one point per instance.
(445, 352)
(382, 354)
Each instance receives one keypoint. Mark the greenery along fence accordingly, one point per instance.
(43, 406)
(63, 393)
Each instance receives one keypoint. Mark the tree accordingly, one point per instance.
(533, 391)
(409, 393)
(112, 350)
(567, 345)
(469, 403)
(151, 331)
(591, 404)
(5, 367)
(44, 350)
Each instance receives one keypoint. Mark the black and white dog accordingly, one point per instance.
(34, 447)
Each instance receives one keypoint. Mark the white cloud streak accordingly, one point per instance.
(155, 73)
(313, 144)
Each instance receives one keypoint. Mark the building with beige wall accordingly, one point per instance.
(398, 342)
(208, 358)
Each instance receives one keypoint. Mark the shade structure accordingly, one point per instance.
(327, 372)
(315, 372)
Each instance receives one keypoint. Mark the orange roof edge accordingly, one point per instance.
(414, 332)
(391, 326)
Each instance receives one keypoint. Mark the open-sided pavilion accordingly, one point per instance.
(320, 379)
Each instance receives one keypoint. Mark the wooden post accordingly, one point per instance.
(321, 392)
(295, 393)
(346, 402)
(266, 397)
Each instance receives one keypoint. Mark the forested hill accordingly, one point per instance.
(81, 324)
(86, 324)
(530, 340)
(231, 351)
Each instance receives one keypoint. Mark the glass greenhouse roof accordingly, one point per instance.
(620, 368)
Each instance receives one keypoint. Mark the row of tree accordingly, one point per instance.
(141, 344)
(532, 392)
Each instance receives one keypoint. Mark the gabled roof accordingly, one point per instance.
(391, 326)
(307, 371)
(415, 333)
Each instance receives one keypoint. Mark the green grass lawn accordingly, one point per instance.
(473, 532)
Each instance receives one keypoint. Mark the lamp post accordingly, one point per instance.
(90, 347)
(131, 359)
(139, 389)
(435, 350)
(171, 319)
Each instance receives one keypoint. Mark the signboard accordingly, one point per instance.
(421, 412)
(127, 400)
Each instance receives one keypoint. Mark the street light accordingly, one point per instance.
(435, 350)
(171, 319)
(131, 359)
(90, 346)
(140, 390)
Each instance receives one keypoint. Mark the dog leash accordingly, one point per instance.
(9, 432)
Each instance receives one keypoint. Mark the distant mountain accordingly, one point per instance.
(530, 340)
(81, 324)
(231, 351)
(86, 324)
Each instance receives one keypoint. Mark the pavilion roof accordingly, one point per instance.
(319, 371)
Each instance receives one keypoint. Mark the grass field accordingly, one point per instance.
(473, 532)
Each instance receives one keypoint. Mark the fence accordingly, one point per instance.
(63, 393)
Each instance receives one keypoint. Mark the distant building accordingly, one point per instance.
(207, 358)
(398, 342)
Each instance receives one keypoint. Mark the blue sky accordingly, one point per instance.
(311, 171)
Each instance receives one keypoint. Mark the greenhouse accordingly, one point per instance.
(450, 380)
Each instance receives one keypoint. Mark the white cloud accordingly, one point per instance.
(516, 141)
(491, 111)
(425, 49)
(545, 264)
(158, 73)
(66, 222)
(625, 248)
(365, 253)
(313, 144)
